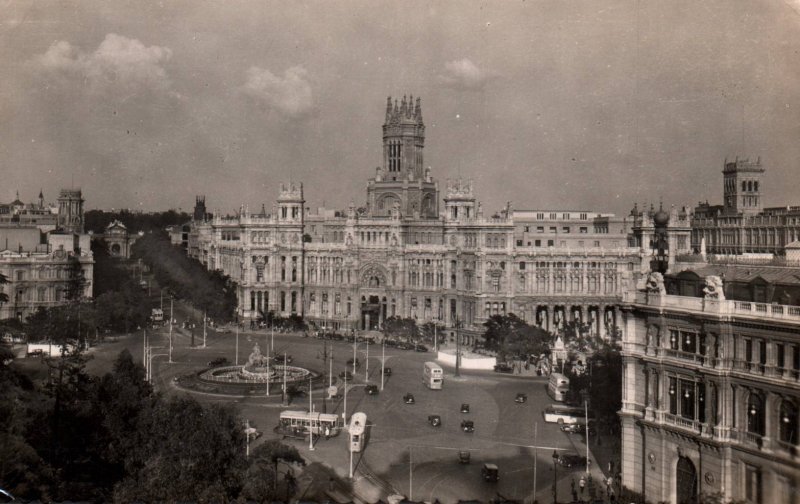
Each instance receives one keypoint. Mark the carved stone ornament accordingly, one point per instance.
(710, 478)
(651, 457)
(713, 288)
(655, 283)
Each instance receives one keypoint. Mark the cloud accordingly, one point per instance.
(463, 74)
(290, 95)
(117, 62)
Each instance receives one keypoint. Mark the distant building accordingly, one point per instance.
(711, 388)
(741, 225)
(37, 250)
(117, 239)
(38, 214)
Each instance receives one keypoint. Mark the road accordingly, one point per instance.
(504, 430)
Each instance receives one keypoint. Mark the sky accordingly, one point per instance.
(586, 104)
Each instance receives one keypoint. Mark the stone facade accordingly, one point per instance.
(711, 391)
(399, 255)
(741, 225)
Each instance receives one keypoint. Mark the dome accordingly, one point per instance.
(661, 218)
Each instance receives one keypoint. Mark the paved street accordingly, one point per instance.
(504, 430)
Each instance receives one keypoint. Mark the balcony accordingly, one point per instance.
(710, 306)
(685, 423)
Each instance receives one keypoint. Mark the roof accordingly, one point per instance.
(746, 274)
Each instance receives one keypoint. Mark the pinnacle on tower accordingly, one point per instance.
(388, 108)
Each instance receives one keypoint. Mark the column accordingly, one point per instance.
(584, 314)
(549, 323)
(602, 320)
(617, 321)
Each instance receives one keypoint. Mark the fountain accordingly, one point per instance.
(256, 370)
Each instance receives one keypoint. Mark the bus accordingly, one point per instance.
(558, 387)
(358, 424)
(298, 424)
(565, 415)
(433, 376)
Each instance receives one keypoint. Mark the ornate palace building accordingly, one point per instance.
(711, 392)
(402, 254)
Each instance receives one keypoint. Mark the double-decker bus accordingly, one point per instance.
(558, 387)
(433, 376)
(299, 424)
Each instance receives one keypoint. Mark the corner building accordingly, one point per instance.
(400, 254)
(710, 399)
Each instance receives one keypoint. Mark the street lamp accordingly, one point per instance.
(555, 477)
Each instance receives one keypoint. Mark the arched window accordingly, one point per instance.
(755, 414)
(788, 422)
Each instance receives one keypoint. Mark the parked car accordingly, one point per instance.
(371, 389)
(421, 348)
(36, 353)
(435, 420)
(521, 398)
(408, 398)
(490, 473)
(346, 375)
(503, 368)
(571, 460)
(463, 457)
(387, 371)
(465, 408)
(578, 428)
(468, 426)
(404, 346)
(218, 362)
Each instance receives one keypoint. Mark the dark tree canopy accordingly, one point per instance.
(186, 278)
(512, 337)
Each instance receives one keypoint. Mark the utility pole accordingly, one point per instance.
(344, 411)
(383, 362)
(410, 475)
(535, 456)
(285, 397)
(586, 421)
(355, 344)
(144, 349)
(204, 328)
(237, 346)
(458, 348)
(170, 330)
(435, 338)
(366, 363)
(330, 369)
(310, 409)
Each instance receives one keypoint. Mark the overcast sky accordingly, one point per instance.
(549, 104)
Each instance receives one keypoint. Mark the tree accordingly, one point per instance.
(401, 328)
(191, 452)
(510, 336)
(76, 280)
(3, 295)
(261, 481)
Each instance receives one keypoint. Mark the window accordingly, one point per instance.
(522, 266)
(540, 229)
(584, 229)
(519, 243)
(565, 229)
(752, 484)
(597, 243)
(553, 229)
(538, 243)
(550, 243)
(788, 422)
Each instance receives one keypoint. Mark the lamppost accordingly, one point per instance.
(555, 477)
(458, 348)
(170, 330)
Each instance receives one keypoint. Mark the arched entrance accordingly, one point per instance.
(115, 249)
(373, 312)
(686, 481)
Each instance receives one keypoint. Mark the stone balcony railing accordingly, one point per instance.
(710, 306)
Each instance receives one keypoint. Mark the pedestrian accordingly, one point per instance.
(582, 484)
